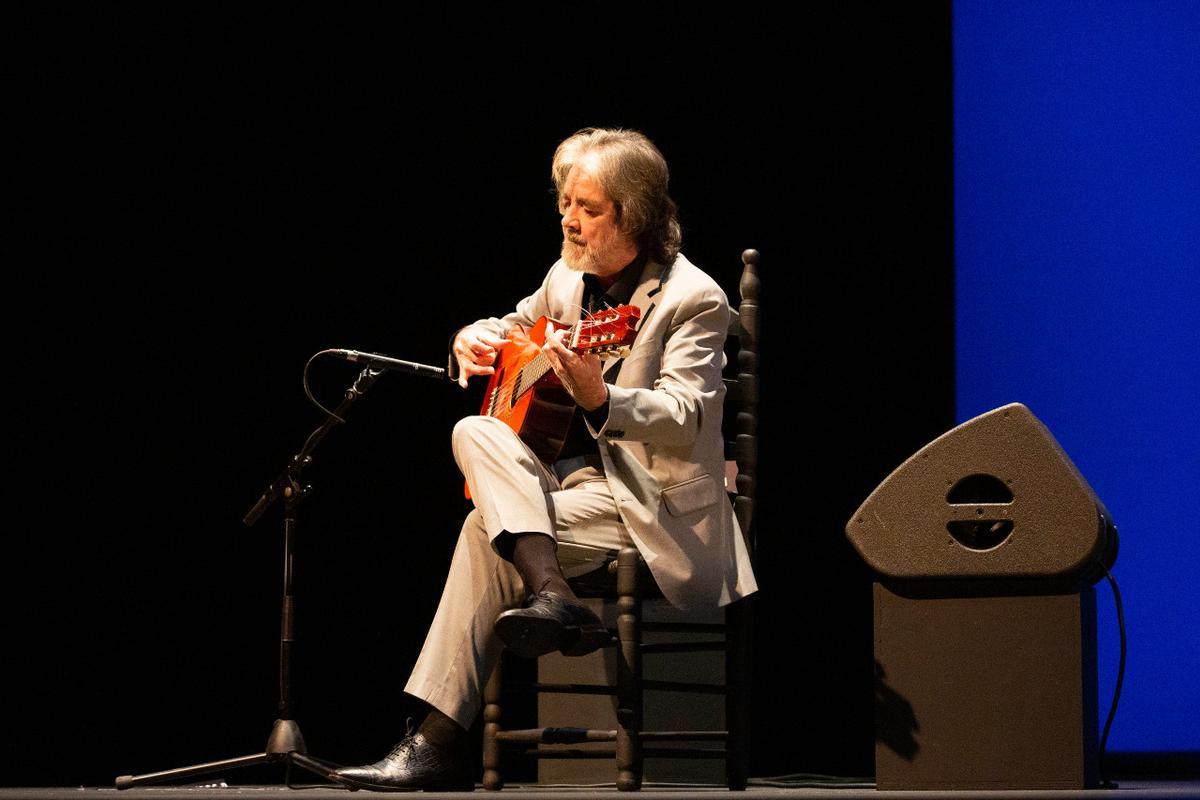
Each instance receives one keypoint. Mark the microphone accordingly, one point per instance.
(386, 362)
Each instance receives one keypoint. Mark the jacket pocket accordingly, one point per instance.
(691, 495)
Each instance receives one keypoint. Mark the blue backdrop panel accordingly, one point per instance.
(1077, 228)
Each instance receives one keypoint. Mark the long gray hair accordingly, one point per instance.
(634, 176)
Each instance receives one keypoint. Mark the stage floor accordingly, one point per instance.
(1133, 790)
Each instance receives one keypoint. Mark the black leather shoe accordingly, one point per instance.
(550, 622)
(413, 764)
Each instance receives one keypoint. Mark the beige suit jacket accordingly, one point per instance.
(661, 444)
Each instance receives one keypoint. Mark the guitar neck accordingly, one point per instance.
(611, 333)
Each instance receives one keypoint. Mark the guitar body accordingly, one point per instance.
(526, 395)
(540, 414)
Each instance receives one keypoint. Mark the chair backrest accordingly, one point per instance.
(740, 423)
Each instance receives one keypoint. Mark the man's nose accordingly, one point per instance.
(570, 220)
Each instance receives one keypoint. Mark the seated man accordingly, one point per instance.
(642, 462)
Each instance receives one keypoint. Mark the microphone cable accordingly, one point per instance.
(1112, 711)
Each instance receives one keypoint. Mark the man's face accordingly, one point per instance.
(592, 240)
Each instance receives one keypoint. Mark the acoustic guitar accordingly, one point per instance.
(526, 395)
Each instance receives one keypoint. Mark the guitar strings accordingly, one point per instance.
(540, 362)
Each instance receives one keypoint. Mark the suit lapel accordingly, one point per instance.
(649, 285)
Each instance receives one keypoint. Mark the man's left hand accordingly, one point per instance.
(579, 374)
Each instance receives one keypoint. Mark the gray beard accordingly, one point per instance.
(578, 258)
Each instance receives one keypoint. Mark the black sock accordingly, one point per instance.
(441, 731)
(535, 557)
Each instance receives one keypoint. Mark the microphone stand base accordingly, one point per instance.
(285, 746)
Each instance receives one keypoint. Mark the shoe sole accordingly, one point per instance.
(590, 639)
(532, 637)
(353, 784)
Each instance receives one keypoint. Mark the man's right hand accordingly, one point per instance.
(475, 350)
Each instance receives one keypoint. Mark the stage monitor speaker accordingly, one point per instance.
(987, 540)
(996, 497)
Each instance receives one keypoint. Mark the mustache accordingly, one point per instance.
(574, 238)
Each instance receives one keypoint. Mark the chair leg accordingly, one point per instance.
(629, 673)
(492, 779)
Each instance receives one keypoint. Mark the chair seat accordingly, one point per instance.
(602, 581)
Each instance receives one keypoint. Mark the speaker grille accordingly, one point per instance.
(995, 497)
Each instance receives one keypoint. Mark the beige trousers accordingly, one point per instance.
(514, 492)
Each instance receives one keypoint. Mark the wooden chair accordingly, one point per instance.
(633, 583)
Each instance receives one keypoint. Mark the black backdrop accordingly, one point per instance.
(203, 205)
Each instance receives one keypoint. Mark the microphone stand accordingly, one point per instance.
(286, 743)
